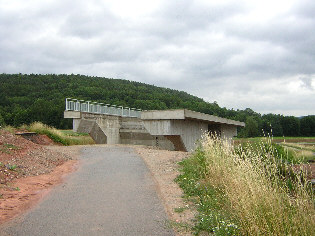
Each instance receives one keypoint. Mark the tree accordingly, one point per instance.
(307, 126)
(271, 125)
(251, 128)
(290, 125)
(2, 123)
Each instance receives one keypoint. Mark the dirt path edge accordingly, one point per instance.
(164, 168)
(26, 192)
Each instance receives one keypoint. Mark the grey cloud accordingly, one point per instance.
(86, 24)
(307, 82)
(204, 49)
(304, 9)
(178, 19)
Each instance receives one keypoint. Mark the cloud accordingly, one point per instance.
(238, 53)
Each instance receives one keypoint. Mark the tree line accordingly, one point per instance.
(26, 98)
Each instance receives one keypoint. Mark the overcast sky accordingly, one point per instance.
(242, 53)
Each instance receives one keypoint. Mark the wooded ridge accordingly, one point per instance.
(26, 98)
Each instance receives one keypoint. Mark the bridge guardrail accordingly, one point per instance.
(101, 108)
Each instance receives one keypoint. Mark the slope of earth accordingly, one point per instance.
(27, 171)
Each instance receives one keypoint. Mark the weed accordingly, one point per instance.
(11, 146)
(12, 167)
(17, 189)
(7, 147)
(180, 226)
(179, 209)
(249, 190)
(5, 150)
(9, 129)
(73, 134)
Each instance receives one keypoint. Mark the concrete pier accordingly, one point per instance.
(184, 127)
(168, 129)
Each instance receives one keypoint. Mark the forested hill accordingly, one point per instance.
(28, 98)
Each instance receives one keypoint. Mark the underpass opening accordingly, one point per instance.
(177, 142)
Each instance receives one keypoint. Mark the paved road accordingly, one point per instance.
(111, 194)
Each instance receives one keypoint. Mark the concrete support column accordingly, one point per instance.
(110, 126)
(76, 123)
(228, 132)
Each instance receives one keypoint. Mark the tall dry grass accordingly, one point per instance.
(258, 197)
(245, 191)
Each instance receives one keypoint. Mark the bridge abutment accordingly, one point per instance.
(168, 129)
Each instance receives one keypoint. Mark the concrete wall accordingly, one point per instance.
(110, 125)
(171, 134)
(189, 131)
(184, 134)
(75, 124)
(228, 131)
(110, 129)
(85, 126)
(146, 139)
(98, 135)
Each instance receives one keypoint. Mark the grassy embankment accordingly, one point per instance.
(65, 137)
(247, 190)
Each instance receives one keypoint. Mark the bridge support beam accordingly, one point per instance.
(169, 129)
(184, 128)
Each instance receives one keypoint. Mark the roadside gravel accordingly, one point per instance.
(164, 167)
(20, 157)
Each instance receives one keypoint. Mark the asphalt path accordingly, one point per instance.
(112, 193)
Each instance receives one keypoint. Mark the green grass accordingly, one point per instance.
(306, 153)
(250, 190)
(277, 139)
(280, 152)
(59, 136)
(180, 226)
(73, 134)
(179, 209)
(292, 149)
(12, 167)
(7, 147)
(9, 129)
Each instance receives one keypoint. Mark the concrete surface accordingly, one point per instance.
(111, 194)
(188, 131)
(182, 114)
(185, 128)
(111, 129)
(178, 129)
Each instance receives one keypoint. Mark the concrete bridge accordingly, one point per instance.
(178, 129)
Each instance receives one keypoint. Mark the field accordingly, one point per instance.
(279, 139)
(302, 148)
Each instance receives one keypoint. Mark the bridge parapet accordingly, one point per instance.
(101, 108)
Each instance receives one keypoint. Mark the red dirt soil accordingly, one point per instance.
(28, 170)
(30, 190)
